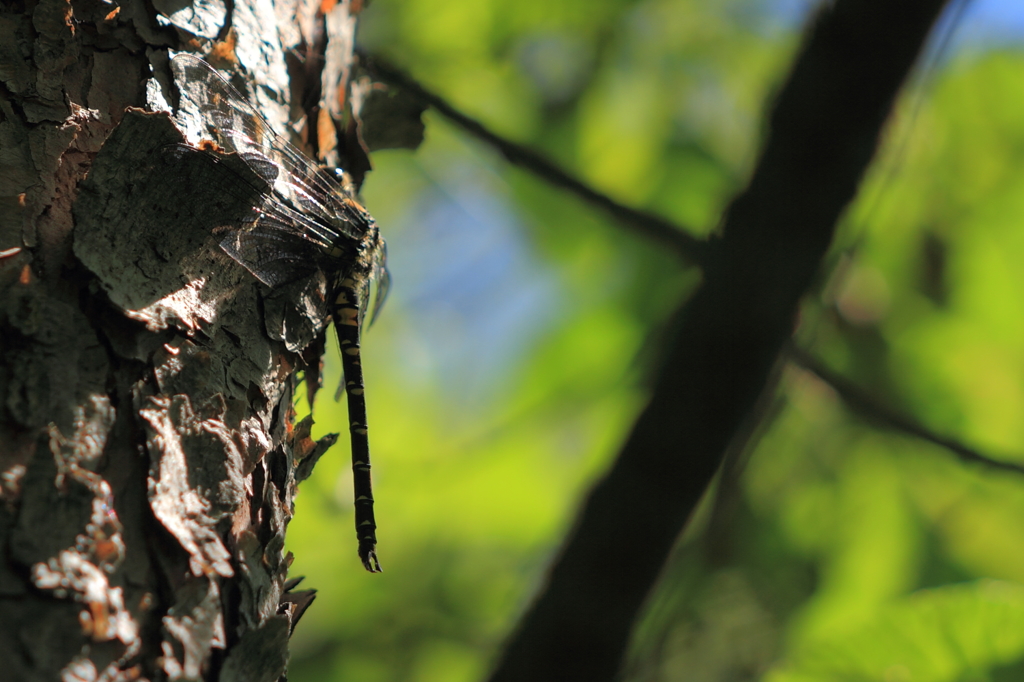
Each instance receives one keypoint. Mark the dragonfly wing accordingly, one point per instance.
(274, 256)
(236, 126)
(272, 241)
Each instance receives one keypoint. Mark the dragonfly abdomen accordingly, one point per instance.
(346, 315)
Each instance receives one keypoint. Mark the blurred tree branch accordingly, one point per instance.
(822, 135)
(865, 405)
(647, 224)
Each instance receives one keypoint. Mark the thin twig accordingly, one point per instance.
(648, 224)
(862, 403)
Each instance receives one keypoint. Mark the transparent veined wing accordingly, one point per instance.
(236, 126)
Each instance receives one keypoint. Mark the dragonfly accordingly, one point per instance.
(303, 220)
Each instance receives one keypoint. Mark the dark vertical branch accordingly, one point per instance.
(823, 132)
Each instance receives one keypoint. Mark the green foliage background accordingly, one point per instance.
(514, 354)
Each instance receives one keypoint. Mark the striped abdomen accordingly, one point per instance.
(347, 316)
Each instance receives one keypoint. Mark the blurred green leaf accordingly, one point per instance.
(959, 632)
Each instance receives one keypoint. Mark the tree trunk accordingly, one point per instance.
(148, 455)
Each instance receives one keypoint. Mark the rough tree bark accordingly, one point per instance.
(147, 451)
